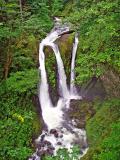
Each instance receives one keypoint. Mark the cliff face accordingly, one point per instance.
(65, 44)
(111, 82)
(102, 126)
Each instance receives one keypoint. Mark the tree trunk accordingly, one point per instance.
(21, 10)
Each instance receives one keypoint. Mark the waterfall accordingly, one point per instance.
(61, 132)
(62, 76)
(72, 85)
(44, 94)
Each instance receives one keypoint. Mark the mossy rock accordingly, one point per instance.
(107, 113)
(65, 44)
(99, 127)
(38, 121)
(68, 8)
(81, 111)
(111, 81)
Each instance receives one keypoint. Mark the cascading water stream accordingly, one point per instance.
(60, 133)
(73, 90)
(63, 90)
(44, 84)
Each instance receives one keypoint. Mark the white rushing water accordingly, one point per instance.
(60, 133)
(72, 79)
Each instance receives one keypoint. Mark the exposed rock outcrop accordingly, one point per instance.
(111, 82)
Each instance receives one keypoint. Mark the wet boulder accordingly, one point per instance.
(80, 111)
(47, 143)
(59, 143)
(54, 132)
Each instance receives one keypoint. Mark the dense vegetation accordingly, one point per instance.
(103, 132)
(98, 25)
(22, 25)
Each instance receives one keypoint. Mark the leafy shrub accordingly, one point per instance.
(97, 24)
(23, 81)
(103, 132)
(63, 154)
(18, 115)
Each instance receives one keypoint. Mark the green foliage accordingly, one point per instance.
(101, 121)
(103, 132)
(18, 115)
(16, 126)
(19, 120)
(15, 138)
(56, 6)
(63, 154)
(110, 147)
(50, 67)
(98, 26)
(9, 27)
(19, 36)
(22, 81)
